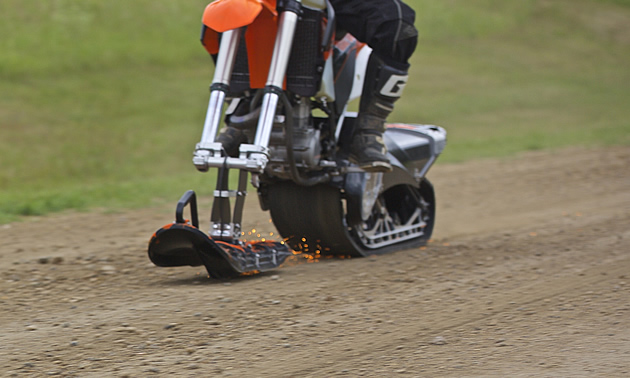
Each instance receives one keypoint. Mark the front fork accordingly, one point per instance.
(252, 157)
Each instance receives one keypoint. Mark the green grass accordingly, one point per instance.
(509, 76)
(101, 103)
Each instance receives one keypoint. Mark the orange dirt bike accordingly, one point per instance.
(283, 79)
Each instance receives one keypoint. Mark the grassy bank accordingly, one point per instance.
(101, 103)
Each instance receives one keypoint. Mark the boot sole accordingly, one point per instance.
(377, 167)
(373, 166)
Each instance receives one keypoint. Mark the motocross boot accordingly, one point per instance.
(231, 138)
(383, 85)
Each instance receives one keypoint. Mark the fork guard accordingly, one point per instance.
(183, 244)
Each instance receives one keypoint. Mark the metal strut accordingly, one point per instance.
(226, 224)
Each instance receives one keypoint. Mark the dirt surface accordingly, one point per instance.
(528, 275)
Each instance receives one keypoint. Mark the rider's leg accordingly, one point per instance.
(388, 28)
(383, 85)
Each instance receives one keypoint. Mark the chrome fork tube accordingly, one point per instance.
(220, 84)
(277, 71)
(282, 48)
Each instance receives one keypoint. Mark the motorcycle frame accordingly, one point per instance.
(253, 158)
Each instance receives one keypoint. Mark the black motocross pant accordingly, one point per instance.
(387, 26)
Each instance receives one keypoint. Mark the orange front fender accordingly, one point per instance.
(224, 15)
(261, 18)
